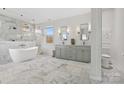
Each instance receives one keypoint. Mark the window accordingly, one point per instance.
(50, 33)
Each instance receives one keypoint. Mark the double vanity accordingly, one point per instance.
(73, 52)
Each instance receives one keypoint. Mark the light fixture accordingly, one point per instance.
(89, 28)
(78, 29)
(68, 29)
(59, 31)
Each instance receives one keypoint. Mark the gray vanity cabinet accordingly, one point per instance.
(70, 53)
(83, 54)
(76, 53)
(63, 53)
(58, 52)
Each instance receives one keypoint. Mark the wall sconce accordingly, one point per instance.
(68, 30)
(89, 28)
(59, 31)
(78, 29)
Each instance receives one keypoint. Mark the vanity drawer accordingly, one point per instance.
(63, 53)
(83, 54)
(71, 53)
(58, 52)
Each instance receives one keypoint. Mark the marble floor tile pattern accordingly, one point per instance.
(44, 70)
(112, 76)
(48, 70)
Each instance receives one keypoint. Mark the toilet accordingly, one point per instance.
(106, 63)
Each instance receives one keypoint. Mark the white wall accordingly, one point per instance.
(73, 23)
(107, 27)
(117, 48)
(96, 22)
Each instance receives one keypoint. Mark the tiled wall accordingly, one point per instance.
(6, 28)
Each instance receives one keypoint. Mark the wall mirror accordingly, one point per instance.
(84, 32)
(64, 33)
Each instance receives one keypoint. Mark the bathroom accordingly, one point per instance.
(27, 45)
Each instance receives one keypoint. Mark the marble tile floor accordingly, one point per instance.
(112, 76)
(44, 70)
(48, 70)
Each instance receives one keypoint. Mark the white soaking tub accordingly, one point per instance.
(23, 54)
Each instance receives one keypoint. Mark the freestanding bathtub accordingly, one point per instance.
(23, 54)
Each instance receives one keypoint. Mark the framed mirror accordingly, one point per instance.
(64, 33)
(84, 34)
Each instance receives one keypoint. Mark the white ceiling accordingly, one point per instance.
(40, 15)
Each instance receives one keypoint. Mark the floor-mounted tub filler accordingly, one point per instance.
(23, 54)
